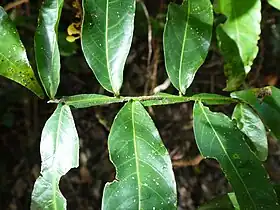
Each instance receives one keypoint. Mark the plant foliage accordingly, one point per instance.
(144, 176)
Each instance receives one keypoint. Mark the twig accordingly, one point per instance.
(14, 4)
(155, 67)
(185, 163)
(150, 34)
(162, 86)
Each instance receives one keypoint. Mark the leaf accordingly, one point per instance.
(59, 153)
(238, 38)
(251, 125)
(187, 37)
(274, 3)
(144, 176)
(219, 203)
(226, 202)
(233, 200)
(266, 102)
(89, 100)
(107, 32)
(217, 137)
(46, 46)
(14, 63)
(233, 67)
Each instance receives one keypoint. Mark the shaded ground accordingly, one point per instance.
(22, 116)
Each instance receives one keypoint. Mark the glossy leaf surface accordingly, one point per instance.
(59, 153)
(238, 38)
(46, 46)
(219, 203)
(251, 125)
(217, 137)
(187, 37)
(274, 3)
(107, 32)
(14, 63)
(266, 101)
(144, 177)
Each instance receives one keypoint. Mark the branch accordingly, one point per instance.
(15, 4)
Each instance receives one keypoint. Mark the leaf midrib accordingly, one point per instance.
(106, 44)
(54, 44)
(183, 46)
(56, 146)
(136, 155)
(222, 146)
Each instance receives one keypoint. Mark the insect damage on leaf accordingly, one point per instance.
(74, 29)
(261, 93)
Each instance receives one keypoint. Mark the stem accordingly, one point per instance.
(89, 100)
(14, 4)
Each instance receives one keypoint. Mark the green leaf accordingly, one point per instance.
(266, 101)
(233, 67)
(14, 63)
(219, 203)
(238, 38)
(233, 200)
(187, 37)
(217, 137)
(229, 202)
(59, 153)
(251, 125)
(274, 3)
(107, 32)
(144, 176)
(46, 46)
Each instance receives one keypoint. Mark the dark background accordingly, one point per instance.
(22, 115)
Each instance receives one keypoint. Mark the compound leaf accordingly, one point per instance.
(107, 31)
(144, 177)
(46, 46)
(266, 101)
(187, 37)
(59, 153)
(274, 3)
(237, 39)
(217, 137)
(251, 125)
(14, 63)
